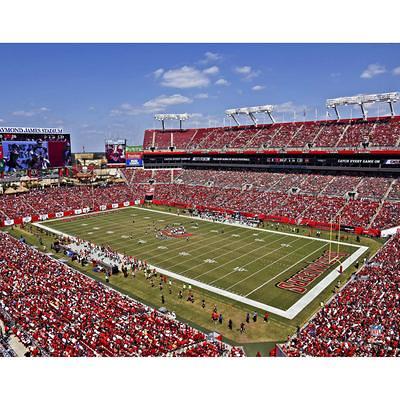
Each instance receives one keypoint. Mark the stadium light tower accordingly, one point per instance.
(164, 117)
(251, 112)
(363, 99)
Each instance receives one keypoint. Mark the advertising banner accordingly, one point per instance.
(134, 156)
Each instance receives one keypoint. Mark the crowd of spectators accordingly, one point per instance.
(5, 348)
(361, 320)
(388, 216)
(359, 201)
(356, 133)
(373, 187)
(208, 349)
(310, 196)
(57, 199)
(57, 311)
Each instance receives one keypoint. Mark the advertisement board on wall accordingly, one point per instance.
(134, 156)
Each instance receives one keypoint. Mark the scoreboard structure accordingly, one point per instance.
(24, 148)
(115, 151)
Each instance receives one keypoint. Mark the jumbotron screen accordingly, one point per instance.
(23, 151)
(116, 151)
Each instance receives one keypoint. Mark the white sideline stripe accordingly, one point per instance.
(290, 313)
(302, 303)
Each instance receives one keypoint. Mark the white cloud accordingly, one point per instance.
(289, 106)
(201, 96)
(30, 113)
(22, 113)
(92, 108)
(211, 57)
(373, 70)
(243, 70)
(335, 74)
(247, 72)
(257, 88)
(162, 102)
(222, 82)
(196, 115)
(2, 120)
(396, 71)
(201, 120)
(185, 78)
(157, 104)
(212, 70)
(158, 72)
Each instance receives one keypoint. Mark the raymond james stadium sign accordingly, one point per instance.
(5, 129)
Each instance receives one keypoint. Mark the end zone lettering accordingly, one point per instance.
(299, 281)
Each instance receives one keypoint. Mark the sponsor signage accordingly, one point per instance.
(134, 156)
(12, 129)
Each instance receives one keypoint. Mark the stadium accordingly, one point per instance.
(250, 239)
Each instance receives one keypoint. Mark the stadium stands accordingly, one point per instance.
(388, 216)
(5, 349)
(299, 197)
(57, 311)
(356, 133)
(58, 199)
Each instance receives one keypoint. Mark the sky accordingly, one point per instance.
(103, 91)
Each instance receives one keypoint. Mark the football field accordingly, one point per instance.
(278, 270)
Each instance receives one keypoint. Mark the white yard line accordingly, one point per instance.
(267, 266)
(228, 262)
(248, 263)
(248, 227)
(143, 247)
(293, 311)
(188, 244)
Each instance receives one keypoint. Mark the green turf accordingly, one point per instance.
(243, 261)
